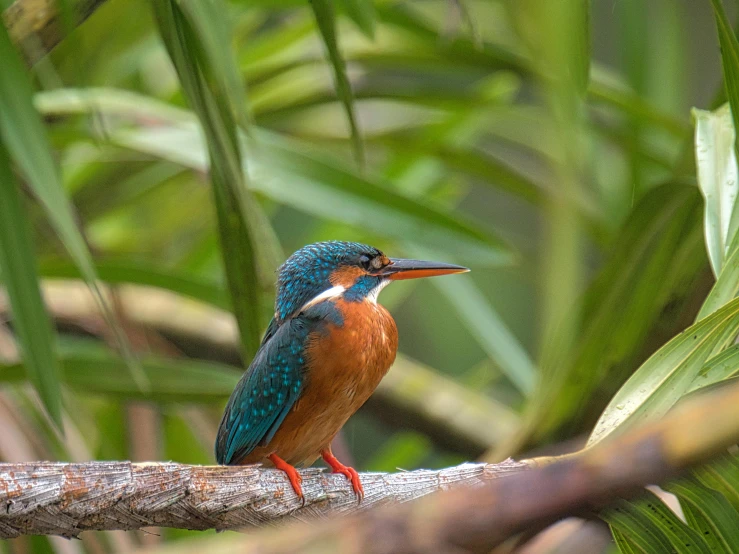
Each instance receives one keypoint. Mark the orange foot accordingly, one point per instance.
(350, 473)
(292, 474)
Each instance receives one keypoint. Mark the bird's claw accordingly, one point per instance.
(296, 480)
(349, 472)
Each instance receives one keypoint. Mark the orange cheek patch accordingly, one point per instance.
(346, 276)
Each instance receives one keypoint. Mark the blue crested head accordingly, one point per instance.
(352, 270)
(313, 270)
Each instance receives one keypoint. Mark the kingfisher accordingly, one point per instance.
(325, 351)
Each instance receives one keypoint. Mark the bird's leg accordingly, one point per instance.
(350, 473)
(292, 474)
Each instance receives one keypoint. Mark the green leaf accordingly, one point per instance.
(362, 12)
(709, 512)
(172, 380)
(490, 331)
(726, 286)
(651, 266)
(20, 277)
(27, 143)
(636, 528)
(209, 87)
(125, 271)
(729, 57)
(663, 379)
(624, 544)
(718, 180)
(211, 26)
(489, 170)
(326, 20)
(649, 523)
(716, 369)
(288, 172)
(722, 475)
(338, 193)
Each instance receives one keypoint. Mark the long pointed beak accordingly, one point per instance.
(399, 269)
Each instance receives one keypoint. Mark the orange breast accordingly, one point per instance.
(345, 365)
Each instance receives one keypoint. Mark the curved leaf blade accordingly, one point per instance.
(660, 382)
(172, 380)
(125, 271)
(718, 179)
(289, 173)
(722, 475)
(719, 368)
(729, 57)
(649, 523)
(24, 135)
(491, 332)
(20, 277)
(362, 12)
(209, 87)
(326, 20)
(709, 512)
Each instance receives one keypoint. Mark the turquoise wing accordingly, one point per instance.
(271, 386)
(265, 394)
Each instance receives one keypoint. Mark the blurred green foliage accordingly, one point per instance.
(187, 146)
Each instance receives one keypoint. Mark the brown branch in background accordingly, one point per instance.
(477, 519)
(66, 499)
(451, 415)
(39, 23)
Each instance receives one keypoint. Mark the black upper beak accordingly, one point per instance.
(399, 268)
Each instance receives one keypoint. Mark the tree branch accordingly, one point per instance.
(66, 499)
(49, 498)
(477, 519)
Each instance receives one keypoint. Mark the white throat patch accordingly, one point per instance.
(375, 292)
(333, 292)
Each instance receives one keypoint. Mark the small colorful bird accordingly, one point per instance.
(323, 355)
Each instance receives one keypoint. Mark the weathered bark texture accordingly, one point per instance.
(65, 499)
(477, 519)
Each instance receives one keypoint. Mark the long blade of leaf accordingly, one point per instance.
(718, 368)
(726, 286)
(722, 475)
(291, 173)
(362, 12)
(729, 57)
(651, 524)
(718, 179)
(125, 271)
(171, 380)
(207, 88)
(636, 529)
(26, 141)
(20, 277)
(326, 20)
(660, 382)
(710, 512)
(651, 265)
(491, 332)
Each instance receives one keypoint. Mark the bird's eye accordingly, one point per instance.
(365, 262)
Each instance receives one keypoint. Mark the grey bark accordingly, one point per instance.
(52, 498)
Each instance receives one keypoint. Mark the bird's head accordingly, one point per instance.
(349, 269)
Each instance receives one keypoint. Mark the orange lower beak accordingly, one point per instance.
(399, 269)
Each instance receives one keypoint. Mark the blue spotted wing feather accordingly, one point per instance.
(265, 394)
(271, 386)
